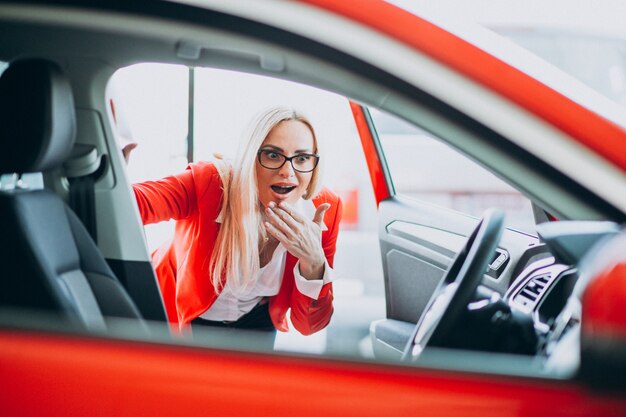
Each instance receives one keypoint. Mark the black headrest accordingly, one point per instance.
(37, 116)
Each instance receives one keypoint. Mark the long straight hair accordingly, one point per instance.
(235, 259)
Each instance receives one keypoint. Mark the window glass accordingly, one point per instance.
(427, 169)
(31, 181)
(152, 109)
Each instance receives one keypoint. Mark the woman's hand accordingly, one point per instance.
(301, 237)
(127, 149)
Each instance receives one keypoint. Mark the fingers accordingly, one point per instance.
(126, 150)
(319, 214)
(289, 210)
(282, 217)
(301, 237)
(274, 231)
(286, 217)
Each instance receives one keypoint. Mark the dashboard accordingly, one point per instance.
(527, 303)
(547, 287)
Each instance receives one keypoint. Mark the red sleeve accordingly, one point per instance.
(308, 315)
(169, 198)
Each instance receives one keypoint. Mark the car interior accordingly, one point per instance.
(74, 249)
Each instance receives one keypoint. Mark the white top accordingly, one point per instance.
(266, 283)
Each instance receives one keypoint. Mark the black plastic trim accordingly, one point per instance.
(140, 281)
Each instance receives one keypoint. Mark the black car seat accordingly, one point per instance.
(49, 262)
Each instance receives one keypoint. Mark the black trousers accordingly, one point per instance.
(257, 324)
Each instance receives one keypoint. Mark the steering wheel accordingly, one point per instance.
(458, 286)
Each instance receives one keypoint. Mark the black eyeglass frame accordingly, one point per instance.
(316, 156)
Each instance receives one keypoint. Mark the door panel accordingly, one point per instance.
(418, 242)
(414, 280)
(438, 240)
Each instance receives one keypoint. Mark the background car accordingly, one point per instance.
(478, 101)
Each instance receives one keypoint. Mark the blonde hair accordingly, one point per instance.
(236, 253)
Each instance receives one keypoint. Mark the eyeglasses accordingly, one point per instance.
(302, 162)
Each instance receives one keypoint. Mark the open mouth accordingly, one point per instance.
(279, 189)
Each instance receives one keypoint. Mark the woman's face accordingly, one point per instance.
(289, 138)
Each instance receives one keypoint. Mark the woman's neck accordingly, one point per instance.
(266, 250)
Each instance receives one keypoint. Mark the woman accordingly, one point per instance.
(251, 241)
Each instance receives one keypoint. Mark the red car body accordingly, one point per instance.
(58, 373)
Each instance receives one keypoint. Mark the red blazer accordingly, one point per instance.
(193, 199)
